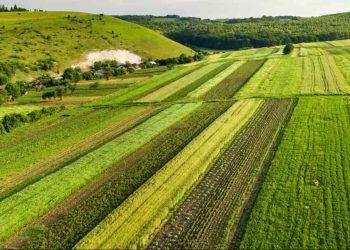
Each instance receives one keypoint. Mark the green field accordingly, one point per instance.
(292, 213)
(245, 149)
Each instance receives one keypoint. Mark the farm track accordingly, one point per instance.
(59, 160)
(209, 217)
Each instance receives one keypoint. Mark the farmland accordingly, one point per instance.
(244, 149)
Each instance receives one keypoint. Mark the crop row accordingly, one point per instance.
(304, 200)
(172, 88)
(25, 206)
(133, 222)
(277, 78)
(233, 83)
(212, 82)
(48, 145)
(343, 63)
(209, 216)
(198, 83)
(132, 93)
(140, 166)
(321, 75)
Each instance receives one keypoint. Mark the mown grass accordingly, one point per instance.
(40, 197)
(322, 76)
(129, 175)
(30, 36)
(132, 223)
(291, 212)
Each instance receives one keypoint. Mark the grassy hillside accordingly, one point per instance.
(64, 37)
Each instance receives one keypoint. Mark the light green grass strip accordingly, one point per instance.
(134, 92)
(277, 78)
(33, 201)
(132, 224)
(17, 109)
(172, 88)
(204, 88)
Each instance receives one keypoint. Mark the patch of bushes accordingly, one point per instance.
(182, 59)
(12, 121)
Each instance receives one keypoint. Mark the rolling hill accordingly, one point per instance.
(30, 39)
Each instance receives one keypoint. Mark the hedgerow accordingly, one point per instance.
(12, 121)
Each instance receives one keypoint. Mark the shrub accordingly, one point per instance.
(288, 49)
(13, 91)
(12, 121)
(3, 96)
(48, 95)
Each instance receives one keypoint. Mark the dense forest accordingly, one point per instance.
(247, 32)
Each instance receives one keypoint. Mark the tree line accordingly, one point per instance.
(248, 32)
(14, 8)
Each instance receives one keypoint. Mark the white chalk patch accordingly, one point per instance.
(121, 56)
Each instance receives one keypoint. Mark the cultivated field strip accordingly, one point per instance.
(227, 88)
(277, 78)
(135, 92)
(292, 210)
(252, 53)
(340, 43)
(132, 224)
(25, 206)
(5, 110)
(321, 75)
(69, 152)
(25, 147)
(173, 87)
(209, 216)
(125, 178)
(205, 87)
(183, 92)
(343, 63)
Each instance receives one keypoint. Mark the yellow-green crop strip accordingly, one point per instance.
(134, 92)
(322, 76)
(133, 223)
(277, 78)
(16, 109)
(204, 88)
(27, 205)
(172, 88)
